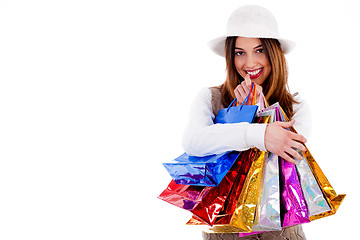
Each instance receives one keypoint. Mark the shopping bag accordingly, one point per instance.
(255, 198)
(210, 170)
(203, 201)
(267, 216)
(201, 171)
(209, 207)
(315, 199)
(183, 196)
(242, 217)
(298, 192)
(232, 199)
(246, 187)
(293, 206)
(242, 113)
(332, 198)
(244, 214)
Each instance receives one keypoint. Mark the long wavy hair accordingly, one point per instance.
(275, 87)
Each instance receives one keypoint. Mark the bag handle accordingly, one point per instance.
(252, 93)
(278, 115)
(262, 100)
(246, 100)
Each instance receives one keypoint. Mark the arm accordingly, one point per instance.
(282, 142)
(302, 117)
(202, 137)
(302, 114)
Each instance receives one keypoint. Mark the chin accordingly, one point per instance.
(258, 81)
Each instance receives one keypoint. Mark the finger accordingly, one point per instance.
(287, 158)
(298, 137)
(240, 93)
(300, 152)
(246, 85)
(247, 80)
(245, 88)
(258, 91)
(294, 153)
(287, 124)
(298, 145)
(243, 93)
(237, 94)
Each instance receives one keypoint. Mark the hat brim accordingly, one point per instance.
(217, 45)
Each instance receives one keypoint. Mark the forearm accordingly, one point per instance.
(203, 137)
(218, 138)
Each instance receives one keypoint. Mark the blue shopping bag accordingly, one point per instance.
(201, 171)
(210, 170)
(237, 114)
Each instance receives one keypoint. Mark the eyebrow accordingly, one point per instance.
(254, 47)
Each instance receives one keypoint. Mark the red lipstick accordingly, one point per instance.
(255, 75)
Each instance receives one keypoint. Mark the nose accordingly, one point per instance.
(250, 62)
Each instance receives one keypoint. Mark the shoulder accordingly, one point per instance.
(208, 98)
(302, 116)
(204, 94)
(215, 89)
(209, 94)
(301, 104)
(202, 99)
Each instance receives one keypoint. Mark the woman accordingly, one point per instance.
(253, 53)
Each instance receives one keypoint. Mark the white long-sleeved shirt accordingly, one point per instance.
(202, 137)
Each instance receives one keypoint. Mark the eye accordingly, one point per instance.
(239, 53)
(261, 50)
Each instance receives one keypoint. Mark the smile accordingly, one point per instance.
(254, 73)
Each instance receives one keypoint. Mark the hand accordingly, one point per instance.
(243, 89)
(283, 142)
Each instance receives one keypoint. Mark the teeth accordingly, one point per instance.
(253, 72)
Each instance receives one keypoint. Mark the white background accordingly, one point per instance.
(94, 95)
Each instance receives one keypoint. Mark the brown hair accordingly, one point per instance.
(275, 87)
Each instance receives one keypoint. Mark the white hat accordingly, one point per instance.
(252, 22)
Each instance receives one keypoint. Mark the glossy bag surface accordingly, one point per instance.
(268, 210)
(183, 196)
(201, 171)
(210, 170)
(242, 113)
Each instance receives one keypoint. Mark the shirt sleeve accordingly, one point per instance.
(302, 117)
(202, 137)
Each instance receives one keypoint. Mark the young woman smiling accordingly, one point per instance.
(254, 53)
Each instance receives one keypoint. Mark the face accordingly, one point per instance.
(250, 58)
